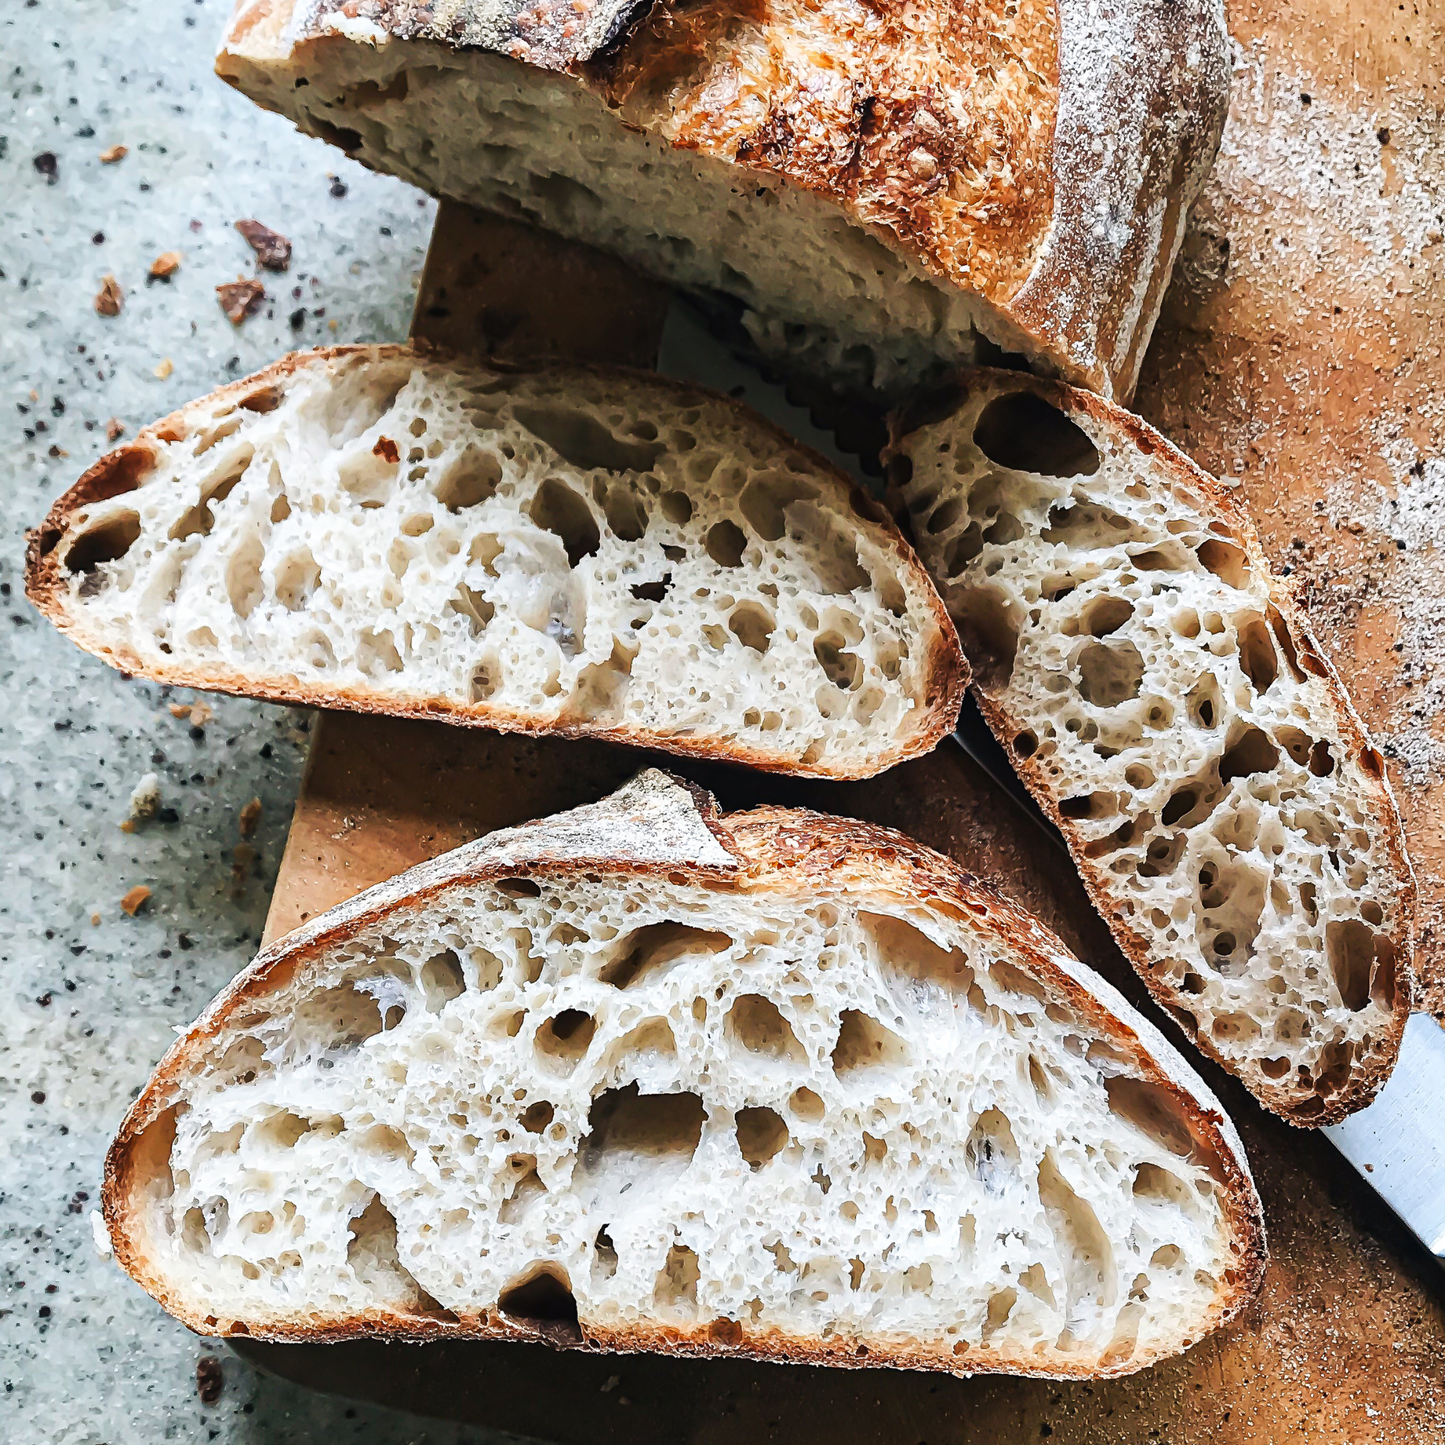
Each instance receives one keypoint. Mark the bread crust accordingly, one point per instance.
(121, 470)
(1071, 114)
(1226, 506)
(778, 850)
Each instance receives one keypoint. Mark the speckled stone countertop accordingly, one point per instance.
(88, 995)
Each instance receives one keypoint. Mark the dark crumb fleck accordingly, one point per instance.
(338, 189)
(37, 1096)
(1303, 98)
(48, 166)
(167, 815)
(198, 735)
(183, 942)
(1383, 135)
(297, 318)
(77, 1202)
(44, 999)
(209, 1379)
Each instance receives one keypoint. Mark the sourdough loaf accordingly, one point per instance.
(639, 1077)
(1164, 698)
(563, 549)
(876, 188)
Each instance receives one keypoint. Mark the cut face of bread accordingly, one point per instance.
(565, 550)
(636, 1077)
(878, 191)
(1162, 695)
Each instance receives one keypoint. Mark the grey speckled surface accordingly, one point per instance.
(86, 1007)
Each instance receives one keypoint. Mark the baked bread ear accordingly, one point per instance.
(1165, 700)
(877, 190)
(640, 1077)
(554, 550)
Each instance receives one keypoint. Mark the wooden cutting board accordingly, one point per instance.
(1250, 373)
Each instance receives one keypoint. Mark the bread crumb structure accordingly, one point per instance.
(566, 550)
(1165, 699)
(781, 1104)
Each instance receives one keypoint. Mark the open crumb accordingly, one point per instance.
(145, 798)
(114, 429)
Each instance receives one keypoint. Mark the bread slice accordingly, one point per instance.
(874, 190)
(564, 550)
(1163, 697)
(640, 1077)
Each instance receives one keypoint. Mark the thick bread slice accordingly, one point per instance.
(1163, 697)
(637, 1077)
(564, 550)
(877, 188)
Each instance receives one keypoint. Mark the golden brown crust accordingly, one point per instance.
(1367, 1081)
(124, 469)
(1039, 155)
(781, 850)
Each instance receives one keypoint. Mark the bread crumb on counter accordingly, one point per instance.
(135, 900)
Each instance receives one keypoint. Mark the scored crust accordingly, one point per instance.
(768, 850)
(1037, 157)
(940, 684)
(1114, 432)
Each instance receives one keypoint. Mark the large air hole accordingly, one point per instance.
(1152, 1110)
(1257, 655)
(676, 1285)
(107, 541)
(297, 578)
(244, 587)
(626, 513)
(757, 1024)
(725, 543)
(992, 1153)
(637, 1141)
(761, 1134)
(1225, 560)
(563, 512)
(583, 441)
(1251, 753)
(843, 669)
(1105, 615)
(565, 1038)
(214, 490)
(649, 950)
(1285, 638)
(927, 976)
(990, 633)
(864, 1043)
(1110, 673)
(371, 1252)
(1025, 433)
(442, 980)
(765, 500)
(543, 1303)
(1350, 948)
(342, 1016)
(470, 480)
(1080, 1239)
(752, 625)
(471, 604)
